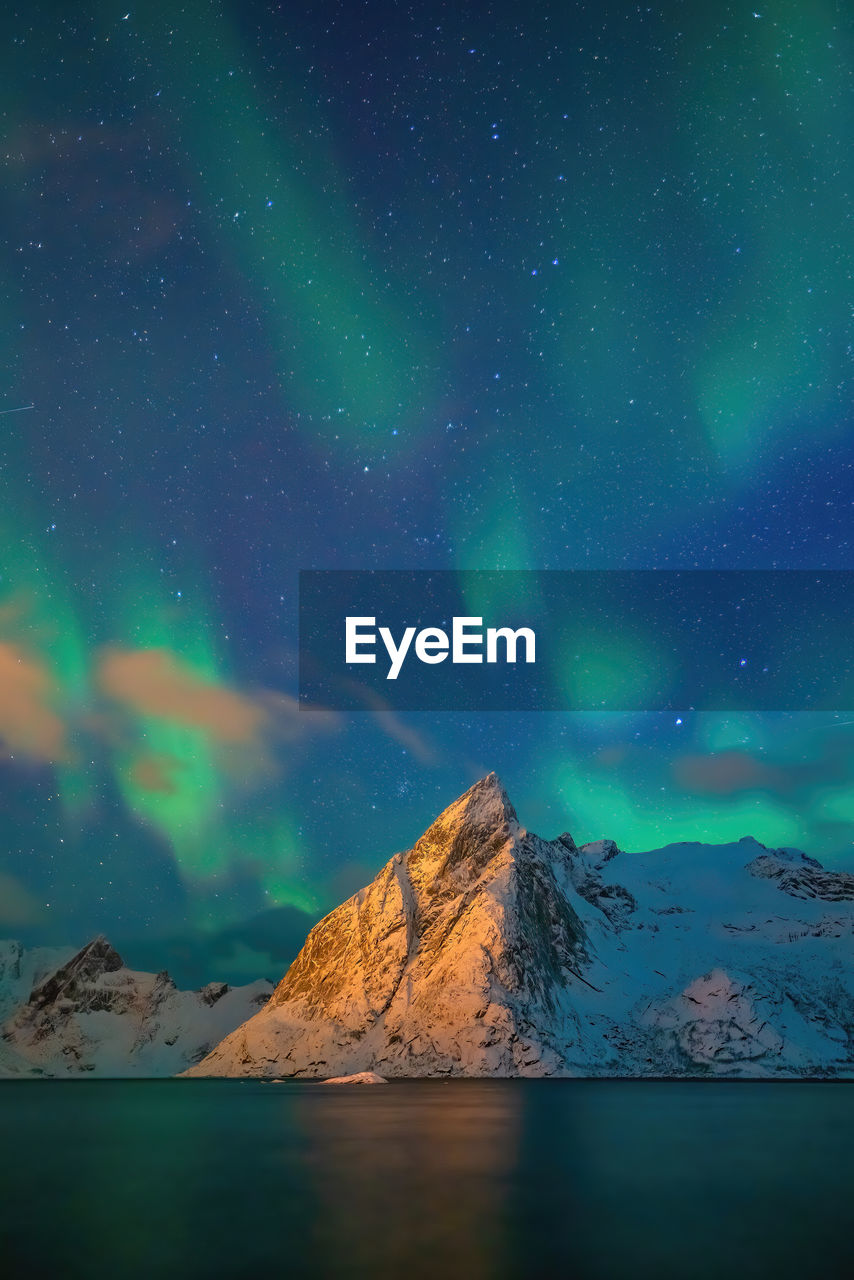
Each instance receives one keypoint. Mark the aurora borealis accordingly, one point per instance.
(368, 286)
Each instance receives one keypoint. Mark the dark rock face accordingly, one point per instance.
(213, 991)
(73, 980)
(804, 878)
(585, 871)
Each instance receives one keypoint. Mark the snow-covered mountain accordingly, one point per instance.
(486, 950)
(63, 1014)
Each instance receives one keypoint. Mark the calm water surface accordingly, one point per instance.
(415, 1179)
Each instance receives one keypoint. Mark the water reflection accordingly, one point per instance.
(471, 1179)
(412, 1180)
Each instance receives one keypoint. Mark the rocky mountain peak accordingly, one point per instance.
(96, 958)
(467, 835)
(486, 950)
(485, 805)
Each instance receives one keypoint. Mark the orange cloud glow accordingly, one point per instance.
(18, 907)
(28, 722)
(154, 682)
(724, 773)
(155, 773)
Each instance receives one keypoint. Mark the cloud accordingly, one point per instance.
(290, 722)
(154, 682)
(18, 907)
(156, 773)
(248, 730)
(726, 772)
(28, 722)
(411, 739)
(261, 947)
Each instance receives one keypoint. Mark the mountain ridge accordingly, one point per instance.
(487, 950)
(65, 1012)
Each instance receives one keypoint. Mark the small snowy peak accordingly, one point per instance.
(803, 877)
(212, 992)
(599, 851)
(789, 853)
(92, 1014)
(360, 1077)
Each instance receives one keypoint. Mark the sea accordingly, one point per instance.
(477, 1179)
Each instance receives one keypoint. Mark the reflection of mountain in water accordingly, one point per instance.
(506, 1180)
(419, 1174)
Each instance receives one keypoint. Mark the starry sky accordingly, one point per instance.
(370, 285)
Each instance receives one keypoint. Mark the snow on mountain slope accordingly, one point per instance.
(65, 1013)
(485, 950)
(22, 969)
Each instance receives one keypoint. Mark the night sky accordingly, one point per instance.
(373, 285)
